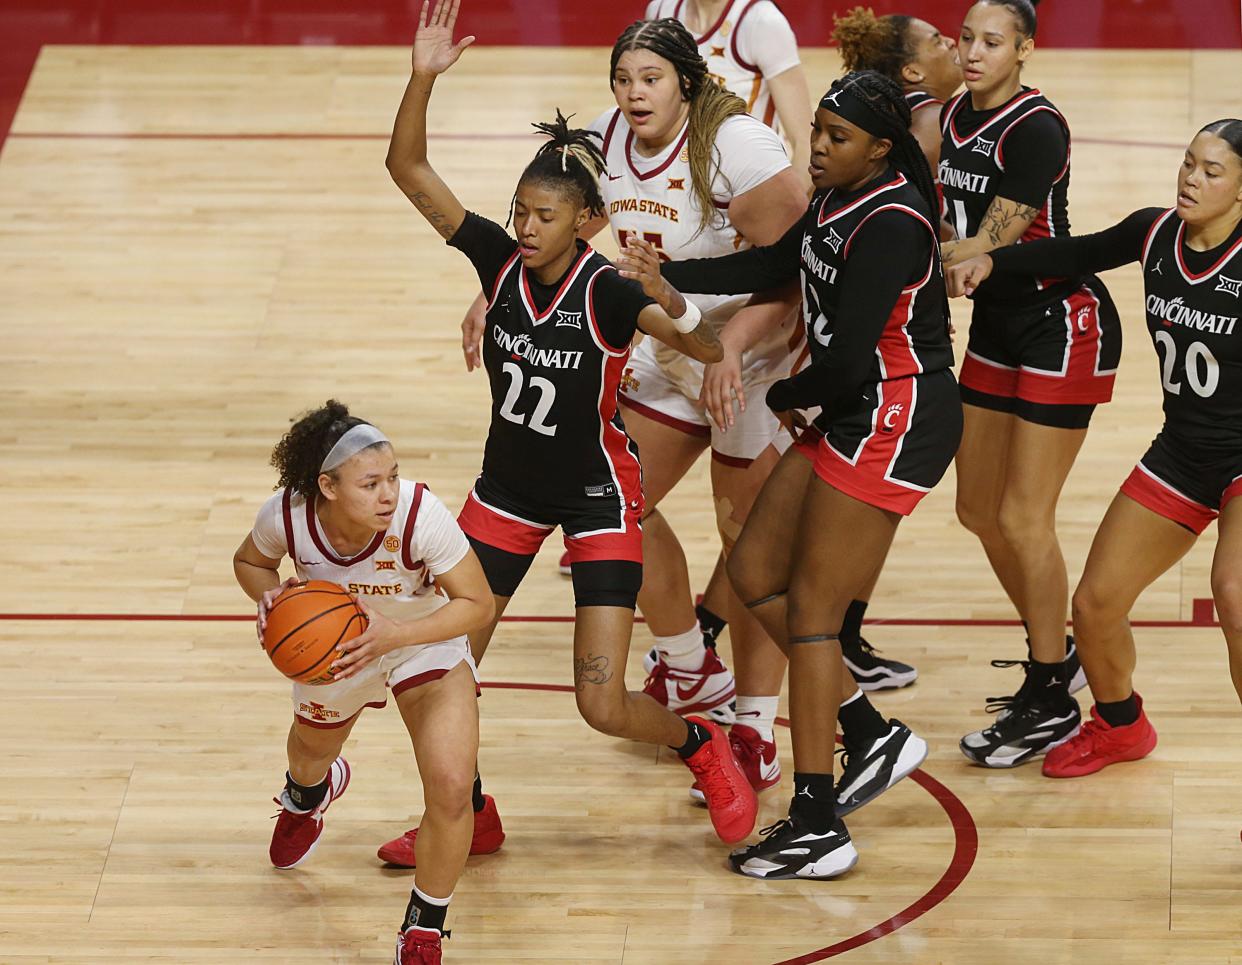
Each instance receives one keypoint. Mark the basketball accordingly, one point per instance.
(304, 626)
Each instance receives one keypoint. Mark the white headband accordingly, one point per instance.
(361, 436)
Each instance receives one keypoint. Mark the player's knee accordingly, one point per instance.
(447, 790)
(602, 709)
(316, 743)
(748, 579)
(976, 519)
(1227, 594)
(1093, 606)
(1020, 526)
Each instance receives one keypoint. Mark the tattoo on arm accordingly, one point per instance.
(436, 218)
(1002, 215)
(705, 334)
(591, 670)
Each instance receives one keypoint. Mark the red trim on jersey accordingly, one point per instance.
(500, 276)
(928, 100)
(992, 378)
(1189, 275)
(407, 533)
(1232, 490)
(321, 542)
(714, 27)
(951, 125)
(1153, 493)
(596, 333)
(689, 428)
(867, 477)
(612, 126)
(737, 25)
(1000, 141)
(769, 114)
(819, 215)
(286, 511)
(426, 677)
(570, 277)
(672, 155)
(734, 462)
(489, 525)
(1151, 235)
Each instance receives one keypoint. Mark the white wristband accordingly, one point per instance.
(689, 321)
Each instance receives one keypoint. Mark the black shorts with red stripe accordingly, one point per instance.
(895, 449)
(1049, 363)
(1182, 482)
(602, 534)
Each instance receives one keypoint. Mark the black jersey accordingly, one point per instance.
(873, 294)
(554, 357)
(920, 99)
(1019, 151)
(1193, 303)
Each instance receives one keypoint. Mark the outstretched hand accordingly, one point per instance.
(434, 51)
(640, 262)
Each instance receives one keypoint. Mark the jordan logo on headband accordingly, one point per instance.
(832, 98)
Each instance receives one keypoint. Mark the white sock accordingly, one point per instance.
(683, 651)
(432, 901)
(758, 713)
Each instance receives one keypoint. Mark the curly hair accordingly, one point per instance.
(569, 161)
(869, 42)
(301, 451)
(710, 104)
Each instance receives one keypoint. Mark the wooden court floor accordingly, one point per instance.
(198, 243)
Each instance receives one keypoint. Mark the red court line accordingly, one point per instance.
(245, 618)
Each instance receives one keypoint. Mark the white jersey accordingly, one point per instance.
(394, 574)
(749, 43)
(652, 198)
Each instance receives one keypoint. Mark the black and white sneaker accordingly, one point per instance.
(1025, 728)
(873, 672)
(1073, 668)
(791, 851)
(869, 772)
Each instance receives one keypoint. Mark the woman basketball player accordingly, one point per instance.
(559, 326)
(1042, 354)
(881, 371)
(914, 54)
(1191, 255)
(344, 514)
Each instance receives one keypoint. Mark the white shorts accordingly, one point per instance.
(334, 705)
(669, 393)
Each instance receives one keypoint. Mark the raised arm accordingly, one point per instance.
(434, 52)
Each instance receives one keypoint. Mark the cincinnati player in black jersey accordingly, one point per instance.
(911, 52)
(1041, 355)
(1191, 256)
(881, 372)
(559, 326)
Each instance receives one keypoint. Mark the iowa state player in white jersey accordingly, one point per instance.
(695, 176)
(1042, 354)
(559, 324)
(1191, 255)
(344, 514)
(881, 373)
(751, 49)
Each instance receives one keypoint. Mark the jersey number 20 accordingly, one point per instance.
(547, 395)
(1202, 382)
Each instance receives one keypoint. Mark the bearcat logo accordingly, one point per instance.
(317, 711)
(1229, 286)
(983, 147)
(385, 565)
(392, 543)
(891, 415)
(568, 319)
(1084, 313)
(677, 184)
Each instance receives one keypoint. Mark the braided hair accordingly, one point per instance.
(710, 104)
(300, 453)
(570, 161)
(884, 99)
(1024, 11)
(869, 42)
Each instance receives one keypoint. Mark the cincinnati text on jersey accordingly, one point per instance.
(645, 206)
(370, 589)
(976, 183)
(821, 269)
(521, 347)
(1176, 312)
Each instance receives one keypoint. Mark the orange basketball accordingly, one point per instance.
(305, 624)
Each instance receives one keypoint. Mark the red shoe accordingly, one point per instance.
(731, 800)
(418, 946)
(1097, 745)
(296, 835)
(755, 756)
(709, 690)
(489, 835)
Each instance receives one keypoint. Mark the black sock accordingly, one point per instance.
(476, 795)
(710, 624)
(1118, 713)
(851, 627)
(1047, 680)
(423, 914)
(861, 723)
(305, 798)
(814, 802)
(697, 736)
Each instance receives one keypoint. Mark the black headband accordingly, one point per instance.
(847, 105)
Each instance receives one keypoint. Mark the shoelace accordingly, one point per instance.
(775, 830)
(660, 672)
(713, 782)
(996, 704)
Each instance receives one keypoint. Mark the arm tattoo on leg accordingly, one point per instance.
(591, 670)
